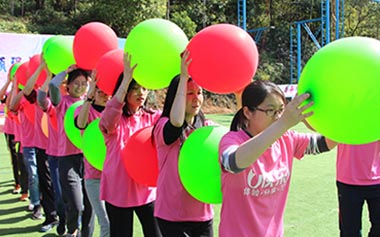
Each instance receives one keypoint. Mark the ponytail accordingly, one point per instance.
(238, 121)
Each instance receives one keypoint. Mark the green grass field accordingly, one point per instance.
(311, 209)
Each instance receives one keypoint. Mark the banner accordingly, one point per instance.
(16, 48)
(20, 48)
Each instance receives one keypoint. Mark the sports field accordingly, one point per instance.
(311, 209)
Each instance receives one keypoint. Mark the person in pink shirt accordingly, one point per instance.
(358, 181)
(20, 173)
(35, 151)
(70, 161)
(178, 213)
(91, 109)
(256, 158)
(52, 152)
(124, 115)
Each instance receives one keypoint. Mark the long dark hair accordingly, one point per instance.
(126, 111)
(253, 95)
(170, 96)
(199, 120)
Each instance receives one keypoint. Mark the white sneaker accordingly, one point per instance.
(30, 207)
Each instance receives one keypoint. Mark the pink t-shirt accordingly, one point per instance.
(173, 202)
(358, 164)
(116, 186)
(17, 129)
(27, 127)
(40, 140)
(9, 126)
(52, 148)
(65, 146)
(90, 172)
(254, 199)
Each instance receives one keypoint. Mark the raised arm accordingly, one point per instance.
(55, 84)
(110, 118)
(4, 89)
(29, 86)
(177, 112)
(42, 93)
(16, 96)
(250, 151)
(127, 78)
(82, 119)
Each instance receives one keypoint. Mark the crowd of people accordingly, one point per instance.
(256, 158)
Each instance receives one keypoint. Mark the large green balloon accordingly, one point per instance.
(58, 53)
(72, 132)
(156, 45)
(198, 165)
(94, 147)
(343, 79)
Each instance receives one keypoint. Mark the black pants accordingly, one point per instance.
(186, 228)
(20, 172)
(78, 207)
(351, 201)
(45, 185)
(121, 220)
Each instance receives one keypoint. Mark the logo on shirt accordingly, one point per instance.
(267, 183)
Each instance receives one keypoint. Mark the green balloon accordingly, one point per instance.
(94, 147)
(72, 132)
(14, 69)
(198, 164)
(48, 41)
(58, 53)
(156, 45)
(343, 79)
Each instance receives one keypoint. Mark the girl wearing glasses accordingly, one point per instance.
(257, 156)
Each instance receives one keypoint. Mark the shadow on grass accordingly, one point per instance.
(13, 220)
(13, 210)
(10, 201)
(19, 230)
(7, 191)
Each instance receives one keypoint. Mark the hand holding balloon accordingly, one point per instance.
(295, 110)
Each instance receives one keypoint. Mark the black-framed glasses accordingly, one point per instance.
(271, 112)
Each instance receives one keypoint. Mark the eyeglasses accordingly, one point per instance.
(271, 112)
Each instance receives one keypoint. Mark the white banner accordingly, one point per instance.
(20, 48)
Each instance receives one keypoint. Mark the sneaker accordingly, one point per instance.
(30, 207)
(17, 189)
(37, 215)
(75, 234)
(61, 228)
(24, 197)
(48, 225)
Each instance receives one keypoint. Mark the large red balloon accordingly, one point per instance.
(34, 63)
(22, 73)
(140, 158)
(109, 68)
(91, 41)
(224, 58)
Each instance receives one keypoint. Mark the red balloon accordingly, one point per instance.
(224, 58)
(34, 63)
(91, 41)
(108, 70)
(140, 158)
(22, 73)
